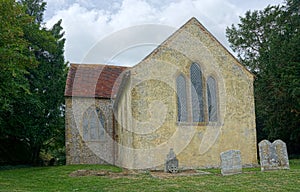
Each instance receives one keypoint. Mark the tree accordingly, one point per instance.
(35, 8)
(267, 43)
(15, 58)
(37, 118)
(45, 106)
(15, 61)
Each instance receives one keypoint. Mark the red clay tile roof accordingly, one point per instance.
(101, 81)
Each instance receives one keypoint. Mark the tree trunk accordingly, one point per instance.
(35, 154)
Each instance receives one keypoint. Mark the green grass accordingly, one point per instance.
(46, 179)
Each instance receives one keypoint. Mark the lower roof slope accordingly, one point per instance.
(93, 80)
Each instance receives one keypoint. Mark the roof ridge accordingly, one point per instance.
(103, 65)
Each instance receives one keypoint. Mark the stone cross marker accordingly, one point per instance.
(171, 162)
(231, 162)
(273, 156)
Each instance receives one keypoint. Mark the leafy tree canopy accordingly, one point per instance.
(15, 57)
(32, 57)
(267, 43)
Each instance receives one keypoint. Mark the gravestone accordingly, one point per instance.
(273, 156)
(171, 162)
(231, 162)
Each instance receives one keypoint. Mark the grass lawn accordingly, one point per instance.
(58, 179)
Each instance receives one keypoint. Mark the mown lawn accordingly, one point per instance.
(58, 179)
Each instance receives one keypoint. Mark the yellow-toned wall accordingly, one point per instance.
(148, 104)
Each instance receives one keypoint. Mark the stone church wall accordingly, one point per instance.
(145, 126)
(79, 151)
(153, 105)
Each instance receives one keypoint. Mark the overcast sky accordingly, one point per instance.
(88, 23)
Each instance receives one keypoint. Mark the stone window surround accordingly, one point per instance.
(205, 102)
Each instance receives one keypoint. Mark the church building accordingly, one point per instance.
(189, 95)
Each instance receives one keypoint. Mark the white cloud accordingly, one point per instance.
(87, 22)
(82, 28)
(128, 14)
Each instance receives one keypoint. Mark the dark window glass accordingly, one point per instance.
(85, 126)
(181, 99)
(93, 125)
(212, 100)
(197, 93)
(102, 125)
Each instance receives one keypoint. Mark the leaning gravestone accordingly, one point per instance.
(273, 156)
(231, 162)
(171, 162)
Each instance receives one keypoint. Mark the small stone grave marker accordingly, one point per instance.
(171, 162)
(231, 162)
(273, 156)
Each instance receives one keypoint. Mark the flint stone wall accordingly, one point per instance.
(148, 105)
(79, 151)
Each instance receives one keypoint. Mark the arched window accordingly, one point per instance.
(93, 124)
(181, 99)
(212, 99)
(197, 93)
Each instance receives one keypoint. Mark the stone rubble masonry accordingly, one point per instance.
(79, 151)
